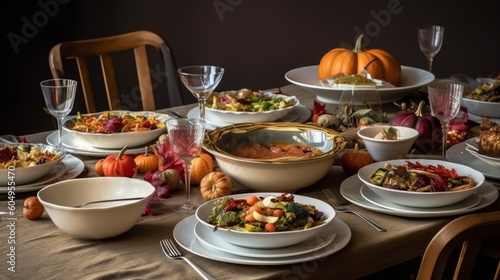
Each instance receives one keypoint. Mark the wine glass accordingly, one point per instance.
(201, 80)
(430, 40)
(186, 138)
(445, 101)
(59, 95)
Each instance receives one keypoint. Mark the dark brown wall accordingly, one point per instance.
(256, 41)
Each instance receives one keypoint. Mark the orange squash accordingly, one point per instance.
(146, 162)
(353, 160)
(200, 167)
(32, 208)
(379, 63)
(215, 184)
(98, 167)
(119, 165)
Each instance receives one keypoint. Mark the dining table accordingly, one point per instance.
(37, 249)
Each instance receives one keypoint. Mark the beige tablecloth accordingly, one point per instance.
(39, 250)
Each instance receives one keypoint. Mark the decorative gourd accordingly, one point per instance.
(200, 167)
(32, 208)
(119, 165)
(350, 62)
(146, 162)
(215, 184)
(428, 126)
(353, 160)
(98, 167)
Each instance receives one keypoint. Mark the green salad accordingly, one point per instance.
(246, 100)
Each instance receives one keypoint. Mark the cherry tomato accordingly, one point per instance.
(251, 200)
(270, 227)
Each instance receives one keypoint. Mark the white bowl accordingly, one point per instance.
(482, 108)
(380, 149)
(120, 139)
(277, 175)
(267, 240)
(422, 199)
(231, 117)
(411, 80)
(101, 220)
(25, 175)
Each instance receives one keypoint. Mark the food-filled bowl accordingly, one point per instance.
(382, 146)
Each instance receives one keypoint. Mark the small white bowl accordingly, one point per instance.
(25, 175)
(100, 220)
(381, 149)
(267, 240)
(422, 199)
(117, 140)
(232, 117)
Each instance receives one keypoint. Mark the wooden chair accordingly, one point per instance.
(467, 232)
(104, 48)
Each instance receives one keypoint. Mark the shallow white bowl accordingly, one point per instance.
(25, 175)
(274, 175)
(231, 117)
(307, 77)
(117, 140)
(267, 240)
(101, 220)
(422, 199)
(482, 108)
(381, 149)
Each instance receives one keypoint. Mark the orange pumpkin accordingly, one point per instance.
(200, 167)
(32, 208)
(353, 160)
(215, 184)
(379, 63)
(119, 165)
(98, 167)
(146, 162)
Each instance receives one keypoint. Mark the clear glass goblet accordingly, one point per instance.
(361, 101)
(59, 95)
(445, 101)
(430, 40)
(201, 80)
(186, 138)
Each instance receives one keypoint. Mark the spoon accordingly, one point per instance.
(107, 200)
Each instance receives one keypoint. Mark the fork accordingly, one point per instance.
(171, 251)
(341, 208)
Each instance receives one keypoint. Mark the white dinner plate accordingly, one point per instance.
(479, 119)
(473, 149)
(300, 114)
(211, 240)
(458, 154)
(372, 197)
(484, 108)
(74, 146)
(351, 190)
(184, 235)
(69, 168)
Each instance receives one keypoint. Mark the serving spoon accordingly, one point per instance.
(107, 200)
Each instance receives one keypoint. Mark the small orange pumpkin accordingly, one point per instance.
(98, 167)
(353, 160)
(200, 167)
(146, 162)
(32, 208)
(215, 184)
(119, 165)
(379, 63)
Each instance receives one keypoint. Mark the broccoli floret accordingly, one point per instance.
(217, 209)
(299, 210)
(229, 218)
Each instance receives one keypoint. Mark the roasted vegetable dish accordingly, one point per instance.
(24, 156)
(420, 178)
(109, 122)
(246, 100)
(261, 214)
(487, 92)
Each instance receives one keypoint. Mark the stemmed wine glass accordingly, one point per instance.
(430, 40)
(186, 138)
(201, 80)
(445, 101)
(59, 95)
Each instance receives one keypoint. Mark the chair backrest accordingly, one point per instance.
(104, 48)
(467, 232)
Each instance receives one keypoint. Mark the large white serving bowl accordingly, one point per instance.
(120, 139)
(25, 175)
(482, 108)
(100, 220)
(380, 149)
(277, 175)
(231, 117)
(267, 240)
(422, 199)
(307, 77)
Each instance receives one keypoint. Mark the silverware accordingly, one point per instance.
(341, 208)
(172, 252)
(107, 200)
